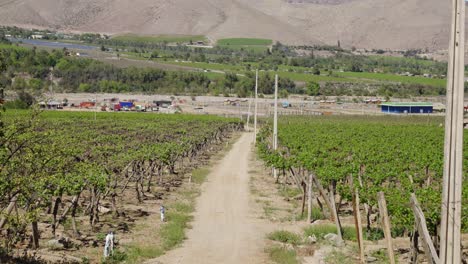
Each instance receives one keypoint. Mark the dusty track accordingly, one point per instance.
(225, 229)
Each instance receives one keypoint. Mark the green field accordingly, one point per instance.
(244, 42)
(393, 78)
(160, 38)
(297, 74)
(307, 77)
(62, 143)
(397, 155)
(250, 44)
(204, 65)
(351, 77)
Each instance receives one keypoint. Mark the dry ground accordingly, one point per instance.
(225, 229)
(392, 24)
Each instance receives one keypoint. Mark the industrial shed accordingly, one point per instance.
(407, 108)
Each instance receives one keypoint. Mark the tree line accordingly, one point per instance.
(34, 71)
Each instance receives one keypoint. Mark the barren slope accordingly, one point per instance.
(395, 24)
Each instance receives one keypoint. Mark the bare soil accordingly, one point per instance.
(225, 229)
(393, 24)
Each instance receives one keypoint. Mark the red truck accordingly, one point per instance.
(117, 107)
(87, 105)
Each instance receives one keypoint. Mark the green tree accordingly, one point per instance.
(85, 88)
(26, 97)
(266, 84)
(283, 93)
(356, 66)
(230, 80)
(313, 88)
(154, 55)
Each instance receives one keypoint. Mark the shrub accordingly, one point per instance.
(317, 214)
(116, 257)
(173, 232)
(16, 104)
(319, 231)
(282, 256)
(285, 237)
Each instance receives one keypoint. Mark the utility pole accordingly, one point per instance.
(239, 110)
(248, 114)
(275, 123)
(256, 106)
(95, 95)
(450, 237)
(95, 106)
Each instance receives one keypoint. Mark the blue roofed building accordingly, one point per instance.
(407, 108)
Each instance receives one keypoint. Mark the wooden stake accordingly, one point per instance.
(414, 248)
(450, 237)
(339, 242)
(358, 224)
(304, 186)
(57, 202)
(309, 200)
(366, 206)
(421, 225)
(8, 211)
(35, 234)
(324, 195)
(386, 226)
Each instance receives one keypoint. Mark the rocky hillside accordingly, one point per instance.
(393, 24)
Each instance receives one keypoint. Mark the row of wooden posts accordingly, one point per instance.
(450, 234)
(420, 231)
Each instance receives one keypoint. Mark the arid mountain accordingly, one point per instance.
(393, 24)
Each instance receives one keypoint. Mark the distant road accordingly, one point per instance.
(53, 44)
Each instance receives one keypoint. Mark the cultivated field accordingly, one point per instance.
(349, 157)
(74, 177)
(160, 38)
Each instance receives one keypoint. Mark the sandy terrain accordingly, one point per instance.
(392, 24)
(225, 229)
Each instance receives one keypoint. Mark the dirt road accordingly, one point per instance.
(225, 229)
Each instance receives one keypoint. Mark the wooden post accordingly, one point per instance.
(414, 245)
(57, 202)
(358, 224)
(324, 195)
(366, 206)
(256, 107)
(275, 124)
(339, 242)
(421, 225)
(8, 211)
(248, 113)
(35, 234)
(357, 218)
(450, 237)
(309, 200)
(304, 193)
(386, 226)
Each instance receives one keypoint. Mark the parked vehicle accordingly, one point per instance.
(117, 107)
(286, 104)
